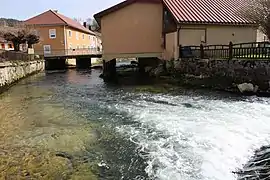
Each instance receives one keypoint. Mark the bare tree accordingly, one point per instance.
(258, 11)
(19, 35)
(92, 23)
(31, 39)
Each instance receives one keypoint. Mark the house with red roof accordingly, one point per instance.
(5, 45)
(156, 28)
(60, 34)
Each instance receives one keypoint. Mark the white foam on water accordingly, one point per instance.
(206, 141)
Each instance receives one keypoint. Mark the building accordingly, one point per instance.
(5, 45)
(96, 38)
(261, 37)
(156, 28)
(60, 35)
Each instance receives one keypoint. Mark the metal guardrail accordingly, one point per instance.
(253, 50)
(69, 52)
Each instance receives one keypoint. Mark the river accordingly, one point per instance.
(70, 125)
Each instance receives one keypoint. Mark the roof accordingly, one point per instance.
(51, 17)
(207, 11)
(194, 11)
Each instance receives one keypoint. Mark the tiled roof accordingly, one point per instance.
(194, 11)
(53, 18)
(207, 11)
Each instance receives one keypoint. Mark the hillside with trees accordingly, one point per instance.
(9, 22)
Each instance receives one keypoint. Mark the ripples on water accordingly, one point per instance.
(190, 135)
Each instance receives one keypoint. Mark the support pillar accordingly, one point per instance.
(109, 70)
(83, 62)
(55, 64)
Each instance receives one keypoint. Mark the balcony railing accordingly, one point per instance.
(69, 52)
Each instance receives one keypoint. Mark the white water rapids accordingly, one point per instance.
(196, 137)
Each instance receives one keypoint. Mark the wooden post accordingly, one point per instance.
(230, 50)
(202, 51)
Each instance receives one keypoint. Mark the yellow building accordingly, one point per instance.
(157, 28)
(60, 35)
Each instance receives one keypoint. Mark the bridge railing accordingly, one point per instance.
(70, 52)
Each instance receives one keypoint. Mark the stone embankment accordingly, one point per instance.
(12, 71)
(241, 76)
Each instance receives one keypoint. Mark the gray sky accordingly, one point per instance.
(24, 9)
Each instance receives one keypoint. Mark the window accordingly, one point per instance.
(3, 46)
(89, 37)
(69, 33)
(47, 49)
(82, 36)
(83, 46)
(10, 46)
(78, 46)
(52, 33)
(70, 46)
(77, 35)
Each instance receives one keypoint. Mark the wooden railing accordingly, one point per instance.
(253, 50)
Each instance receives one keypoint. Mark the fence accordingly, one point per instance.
(18, 56)
(254, 50)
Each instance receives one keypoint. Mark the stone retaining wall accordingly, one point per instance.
(11, 72)
(225, 74)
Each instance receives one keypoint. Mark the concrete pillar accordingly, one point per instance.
(83, 62)
(109, 70)
(55, 64)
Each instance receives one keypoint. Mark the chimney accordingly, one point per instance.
(56, 11)
(84, 24)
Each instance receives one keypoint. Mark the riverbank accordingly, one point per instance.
(72, 125)
(244, 77)
(13, 71)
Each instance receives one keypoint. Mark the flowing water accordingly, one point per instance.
(70, 125)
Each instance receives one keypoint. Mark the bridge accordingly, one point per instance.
(71, 53)
(56, 58)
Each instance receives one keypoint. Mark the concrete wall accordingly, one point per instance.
(133, 31)
(12, 71)
(261, 37)
(216, 34)
(171, 46)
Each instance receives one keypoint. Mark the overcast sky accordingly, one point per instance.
(24, 9)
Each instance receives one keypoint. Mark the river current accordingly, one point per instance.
(74, 121)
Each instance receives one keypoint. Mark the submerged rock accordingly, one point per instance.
(247, 87)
